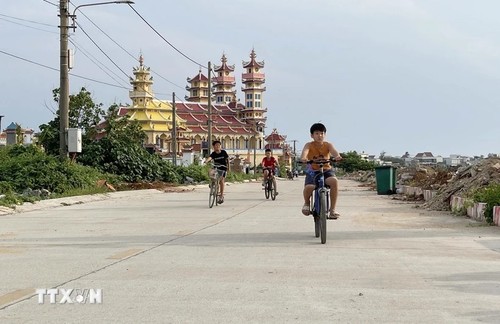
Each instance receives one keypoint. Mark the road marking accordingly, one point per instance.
(125, 254)
(8, 249)
(15, 295)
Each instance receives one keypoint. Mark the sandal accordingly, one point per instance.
(306, 210)
(333, 215)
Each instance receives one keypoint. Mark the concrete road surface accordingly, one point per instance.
(155, 257)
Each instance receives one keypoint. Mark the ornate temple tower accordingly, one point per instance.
(198, 88)
(154, 116)
(142, 92)
(253, 80)
(224, 83)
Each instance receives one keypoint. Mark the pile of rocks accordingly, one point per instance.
(445, 181)
(465, 180)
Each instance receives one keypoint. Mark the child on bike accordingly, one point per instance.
(268, 164)
(319, 149)
(221, 164)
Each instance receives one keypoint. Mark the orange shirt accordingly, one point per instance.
(319, 151)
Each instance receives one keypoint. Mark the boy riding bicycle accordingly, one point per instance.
(221, 164)
(269, 163)
(319, 149)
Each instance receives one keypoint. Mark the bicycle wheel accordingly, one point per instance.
(213, 194)
(217, 180)
(272, 189)
(317, 226)
(267, 189)
(322, 215)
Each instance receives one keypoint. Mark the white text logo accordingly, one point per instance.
(70, 296)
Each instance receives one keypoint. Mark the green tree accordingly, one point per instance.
(119, 150)
(19, 135)
(83, 113)
(352, 161)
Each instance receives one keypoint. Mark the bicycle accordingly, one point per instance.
(320, 199)
(214, 187)
(269, 189)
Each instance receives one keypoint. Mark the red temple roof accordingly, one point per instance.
(199, 77)
(253, 62)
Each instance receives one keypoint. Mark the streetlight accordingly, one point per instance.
(64, 69)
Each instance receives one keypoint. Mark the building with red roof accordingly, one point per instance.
(239, 126)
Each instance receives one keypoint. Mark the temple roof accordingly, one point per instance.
(224, 118)
(253, 62)
(199, 77)
(224, 66)
(275, 137)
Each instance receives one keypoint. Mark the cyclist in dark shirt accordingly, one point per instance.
(221, 164)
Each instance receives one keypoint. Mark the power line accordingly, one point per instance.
(13, 22)
(31, 21)
(29, 61)
(51, 3)
(54, 69)
(131, 55)
(102, 51)
(161, 36)
(94, 60)
(97, 81)
(172, 83)
(102, 31)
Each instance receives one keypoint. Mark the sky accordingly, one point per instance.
(390, 76)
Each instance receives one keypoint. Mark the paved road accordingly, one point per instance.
(167, 258)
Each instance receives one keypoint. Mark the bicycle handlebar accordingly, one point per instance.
(319, 161)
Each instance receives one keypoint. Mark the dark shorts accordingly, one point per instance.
(311, 176)
(222, 173)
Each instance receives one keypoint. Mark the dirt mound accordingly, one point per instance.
(465, 180)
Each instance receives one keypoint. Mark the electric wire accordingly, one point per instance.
(102, 51)
(87, 55)
(20, 24)
(161, 36)
(98, 63)
(110, 38)
(54, 69)
(51, 3)
(131, 55)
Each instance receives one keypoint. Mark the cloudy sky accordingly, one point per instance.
(383, 75)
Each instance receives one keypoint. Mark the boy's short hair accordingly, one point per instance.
(268, 150)
(318, 127)
(215, 142)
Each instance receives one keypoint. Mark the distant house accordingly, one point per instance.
(456, 160)
(12, 135)
(3, 139)
(426, 158)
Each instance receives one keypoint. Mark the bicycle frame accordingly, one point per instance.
(269, 185)
(215, 184)
(319, 181)
(320, 200)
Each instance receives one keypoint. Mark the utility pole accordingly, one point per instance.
(209, 140)
(64, 67)
(64, 79)
(294, 154)
(174, 130)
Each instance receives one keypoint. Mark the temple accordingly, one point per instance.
(240, 127)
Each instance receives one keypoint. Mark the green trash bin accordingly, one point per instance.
(385, 176)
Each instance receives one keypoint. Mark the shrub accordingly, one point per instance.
(489, 195)
(28, 167)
